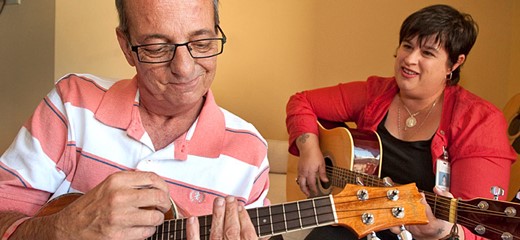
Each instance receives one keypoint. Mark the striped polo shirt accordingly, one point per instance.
(87, 128)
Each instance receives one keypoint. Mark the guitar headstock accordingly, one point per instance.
(367, 209)
(489, 218)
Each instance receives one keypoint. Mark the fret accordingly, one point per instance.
(324, 211)
(284, 218)
(299, 214)
(253, 214)
(268, 221)
(271, 219)
(179, 226)
(315, 212)
(307, 214)
(264, 218)
(206, 229)
(173, 225)
(167, 228)
(278, 219)
(292, 216)
(160, 231)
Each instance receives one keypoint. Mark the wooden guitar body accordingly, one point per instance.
(354, 149)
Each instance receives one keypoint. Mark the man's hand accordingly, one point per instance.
(230, 221)
(126, 205)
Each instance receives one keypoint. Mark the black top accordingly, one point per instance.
(406, 162)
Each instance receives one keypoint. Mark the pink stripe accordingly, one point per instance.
(47, 124)
(80, 92)
(261, 184)
(244, 146)
(89, 177)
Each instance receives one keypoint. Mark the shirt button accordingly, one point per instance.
(442, 132)
(196, 196)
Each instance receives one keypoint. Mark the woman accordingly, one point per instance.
(422, 116)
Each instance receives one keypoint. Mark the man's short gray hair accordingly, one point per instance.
(123, 18)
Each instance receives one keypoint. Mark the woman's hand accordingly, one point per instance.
(310, 165)
(436, 228)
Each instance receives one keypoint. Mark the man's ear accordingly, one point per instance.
(124, 43)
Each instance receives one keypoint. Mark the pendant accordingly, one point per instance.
(411, 122)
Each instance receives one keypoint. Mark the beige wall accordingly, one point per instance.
(26, 62)
(513, 84)
(276, 48)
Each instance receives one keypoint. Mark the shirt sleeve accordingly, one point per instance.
(339, 103)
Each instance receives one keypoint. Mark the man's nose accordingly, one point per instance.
(182, 63)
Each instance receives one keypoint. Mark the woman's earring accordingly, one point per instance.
(449, 76)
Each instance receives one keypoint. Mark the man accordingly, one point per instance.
(134, 145)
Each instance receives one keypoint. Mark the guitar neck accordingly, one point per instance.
(443, 207)
(268, 221)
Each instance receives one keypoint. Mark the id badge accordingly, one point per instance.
(442, 176)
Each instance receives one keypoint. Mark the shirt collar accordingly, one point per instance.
(119, 109)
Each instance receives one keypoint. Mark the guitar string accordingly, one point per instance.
(461, 219)
(444, 204)
(379, 182)
(356, 214)
(350, 176)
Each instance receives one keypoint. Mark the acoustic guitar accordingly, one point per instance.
(349, 148)
(512, 114)
(491, 219)
(362, 209)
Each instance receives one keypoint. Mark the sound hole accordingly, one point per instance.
(328, 165)
(514, 126)
(516, 145)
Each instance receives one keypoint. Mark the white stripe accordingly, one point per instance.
(110, 143)
(229, 175)
(32, 163)
(235, 122)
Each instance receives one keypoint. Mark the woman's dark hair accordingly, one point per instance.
(456, 31)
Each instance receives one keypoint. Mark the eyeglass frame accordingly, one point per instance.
(135, 48)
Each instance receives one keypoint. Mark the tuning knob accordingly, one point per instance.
(404, 234)
(362, 194)
(393, 194)
(387, 181)
(497, 192)
(372, 236)
(359, 181)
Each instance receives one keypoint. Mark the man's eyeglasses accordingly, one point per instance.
(165, 52)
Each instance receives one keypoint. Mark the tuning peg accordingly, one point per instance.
(404, 234)
(359, 181)
(393, 194)
(387, 181)
(497, 192)
(372, 236)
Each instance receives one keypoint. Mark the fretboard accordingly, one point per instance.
(268, 221)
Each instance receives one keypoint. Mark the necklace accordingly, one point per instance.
(411, 121)
(412, 117)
